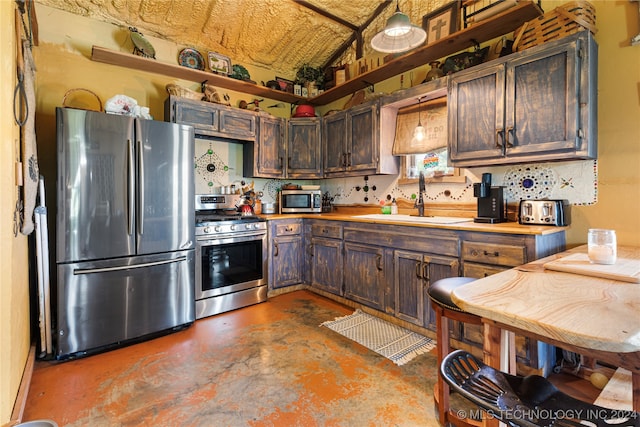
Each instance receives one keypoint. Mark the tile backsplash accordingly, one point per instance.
(219, 163)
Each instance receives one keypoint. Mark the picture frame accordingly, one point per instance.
(219, 64)
(285, 84)
(442, 22)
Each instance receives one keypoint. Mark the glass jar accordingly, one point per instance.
(602, 246)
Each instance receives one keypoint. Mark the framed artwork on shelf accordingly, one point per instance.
(285, 85)
(219, 64)
(442, 22)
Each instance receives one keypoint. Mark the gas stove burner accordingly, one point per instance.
(212, 216)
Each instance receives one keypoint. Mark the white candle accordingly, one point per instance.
(602, 254)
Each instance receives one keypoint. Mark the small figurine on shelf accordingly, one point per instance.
(435, 71)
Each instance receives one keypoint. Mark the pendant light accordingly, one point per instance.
(418, 132)
(399, 34)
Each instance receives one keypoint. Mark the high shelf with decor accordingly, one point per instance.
(493, 27)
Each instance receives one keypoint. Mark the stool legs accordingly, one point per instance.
(442, 331)
(445, 417)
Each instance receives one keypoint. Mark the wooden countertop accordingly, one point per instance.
(504, 227)
(585, 311)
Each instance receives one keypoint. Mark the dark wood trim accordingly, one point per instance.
(326, 14)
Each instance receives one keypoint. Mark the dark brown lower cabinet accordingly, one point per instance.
(390, 267)
(286, 253)
(364, 274)
(413, 272)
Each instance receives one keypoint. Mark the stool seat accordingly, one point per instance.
(440, 291)
(525, 401)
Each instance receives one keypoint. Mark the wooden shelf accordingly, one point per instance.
(493, 27)
(108, 56)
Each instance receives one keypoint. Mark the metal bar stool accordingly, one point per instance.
(529, 401)
(445, 309)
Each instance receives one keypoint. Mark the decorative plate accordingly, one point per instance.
(141, 45)
(219, 64)
(239, 72)
(191, 58)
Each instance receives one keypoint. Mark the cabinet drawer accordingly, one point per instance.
(489, 253)
(432, 244)
(325, 230)
(479, 271)
(288, 229)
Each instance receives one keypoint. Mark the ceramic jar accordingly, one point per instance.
(435, 71)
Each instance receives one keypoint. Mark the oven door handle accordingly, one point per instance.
(231, 238)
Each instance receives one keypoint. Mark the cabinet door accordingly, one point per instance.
(326, 264)
(202, 116)
(542, 106)
(334, 135)
(286, 256)
(237, 124)
(408, 287)
(434, 269)
(270, 147)
(475, 108)
(364, 274)
(286, 261)
(362, 139)
(304, 157)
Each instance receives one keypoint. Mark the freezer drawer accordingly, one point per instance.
(111, 302)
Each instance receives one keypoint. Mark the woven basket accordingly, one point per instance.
(183, 92)
(562, 21)
(76, 98)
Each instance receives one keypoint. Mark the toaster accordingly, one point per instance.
(545, 212)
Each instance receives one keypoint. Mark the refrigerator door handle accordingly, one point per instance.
(131, 186)
(127, 267)
(140, 209)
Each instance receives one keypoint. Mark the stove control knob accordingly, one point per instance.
(206, 230)
(232, 227)
(247, 226)
(217, 228)
(256, 226)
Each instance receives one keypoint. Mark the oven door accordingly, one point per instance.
(230, 264)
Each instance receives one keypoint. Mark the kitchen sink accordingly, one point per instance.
(416, 219)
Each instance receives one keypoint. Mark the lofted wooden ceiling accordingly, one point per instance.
(280, 35)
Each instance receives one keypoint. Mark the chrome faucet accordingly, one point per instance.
(420, 202)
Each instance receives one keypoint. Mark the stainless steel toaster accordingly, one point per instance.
(545, 212)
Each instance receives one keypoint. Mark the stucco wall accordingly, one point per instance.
(14, 288)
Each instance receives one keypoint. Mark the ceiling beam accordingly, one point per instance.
(326, 14)
(357, 36)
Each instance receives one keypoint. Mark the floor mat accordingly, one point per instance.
(391, 341)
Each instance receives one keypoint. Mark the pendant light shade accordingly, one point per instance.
(398, 35)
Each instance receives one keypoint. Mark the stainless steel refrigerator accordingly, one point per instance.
(125, 230)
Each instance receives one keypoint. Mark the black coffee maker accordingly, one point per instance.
(490, 201)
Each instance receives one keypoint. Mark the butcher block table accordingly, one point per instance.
(586, 312)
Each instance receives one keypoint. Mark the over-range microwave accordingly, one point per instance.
(300, 201)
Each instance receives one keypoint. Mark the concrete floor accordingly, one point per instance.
(270, 364)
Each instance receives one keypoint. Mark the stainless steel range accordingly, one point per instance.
(231, 249)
